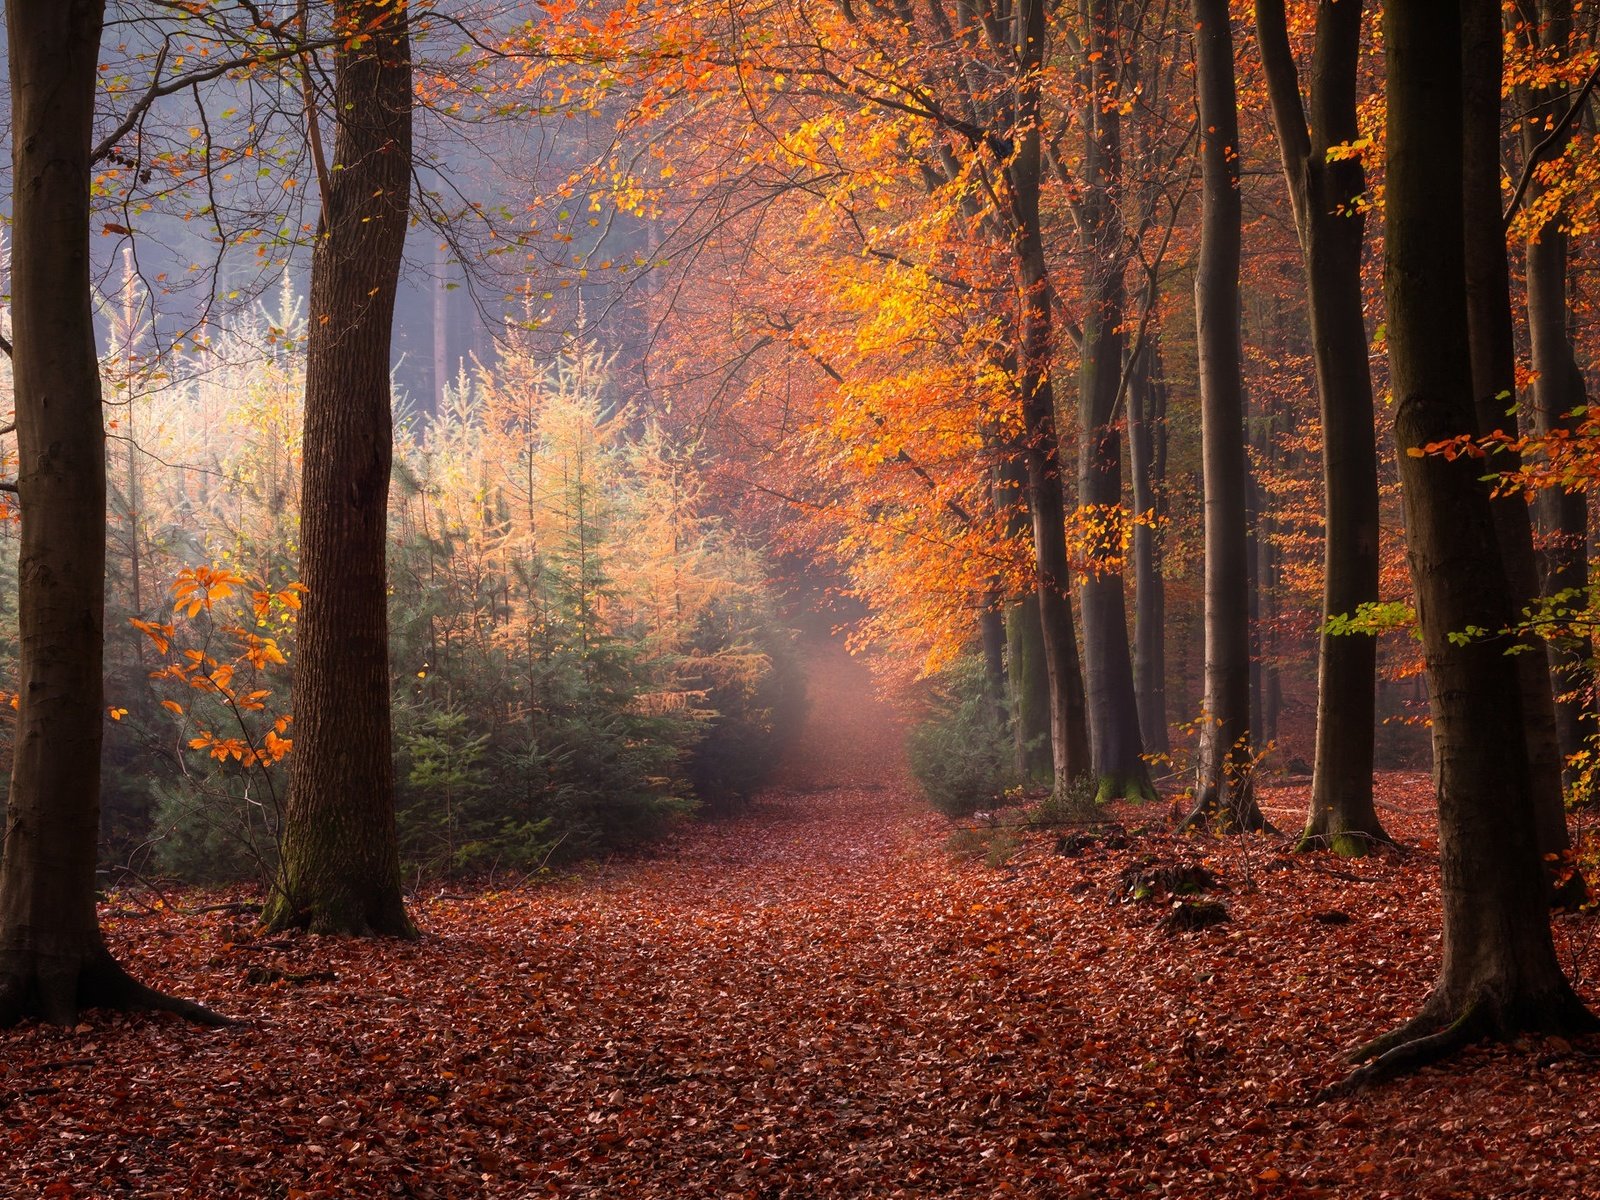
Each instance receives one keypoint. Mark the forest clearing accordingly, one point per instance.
(814, 999)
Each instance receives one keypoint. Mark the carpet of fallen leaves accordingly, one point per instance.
(813, 1000)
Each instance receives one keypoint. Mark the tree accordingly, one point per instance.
(1559, 395)
(53, 960)
(1041, 445)
(1499, 974)
(1494, 388)
(1327, 188)
(1108, 664)
(1225, 755)
(341, 865)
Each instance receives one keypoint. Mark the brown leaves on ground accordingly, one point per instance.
(815, 1001)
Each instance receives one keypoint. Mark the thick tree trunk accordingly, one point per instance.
(341, 867)
(1027, 681)
(1499, 973)
(1147, 444)
(1041, 446)
(1558, 391)
(1030, 689)
(53, 961)
(1330, 224)
(1226, 796)
(1116, 746)
(1494, 393)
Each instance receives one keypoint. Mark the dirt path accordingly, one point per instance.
(813, 1000)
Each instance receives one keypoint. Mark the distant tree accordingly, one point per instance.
(1546, 30)
(1326, 192)
(1115, 741)
(53, 960)
(341, 864)
(1226, 796)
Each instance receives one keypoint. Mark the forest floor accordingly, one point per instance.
(815, 999)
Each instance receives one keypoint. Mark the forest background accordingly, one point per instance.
(949, 306)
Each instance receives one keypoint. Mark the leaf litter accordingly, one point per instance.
(816, 999)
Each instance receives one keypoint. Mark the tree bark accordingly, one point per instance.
(1226, 797)
(1147, 435)
(1116, 746)
(1027, 680)
(53, 961)
(1499, 974)
(1041, 445)
(341, 867)
(1326, 197)
(1558, 390)
(1494, 394)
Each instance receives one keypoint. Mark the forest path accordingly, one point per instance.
(811, 1000)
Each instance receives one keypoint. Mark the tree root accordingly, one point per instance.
(1346, 843)
(1432, 1035)
(57, 992)
(1216, 813)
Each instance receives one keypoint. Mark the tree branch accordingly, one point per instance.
(1544, 147)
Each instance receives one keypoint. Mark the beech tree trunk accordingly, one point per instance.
(53, 960)
(1558, 390)
(1027, 681)
(1331, 228)
(1147, 442)
(341, 865)
(1041, 446)
(1116, 745)
(1494, 395)
(1226, 797)
(1499, 974)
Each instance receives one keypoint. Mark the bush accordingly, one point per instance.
(961, 755)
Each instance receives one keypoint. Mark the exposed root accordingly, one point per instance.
(58, 992)
(1416, 1044)
(1432, 1035)
(1346, 843)
(1233, 813)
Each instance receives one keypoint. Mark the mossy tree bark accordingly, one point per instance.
(1494, 395)
(53, 960)
(1325, 196)
(341, 867)
(1226, 797)
(1499, 974)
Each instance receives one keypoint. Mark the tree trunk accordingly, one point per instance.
(992, 633)
(53, 960)
(1330, 224)
(341, 867)
(1494, 395)
(1030, 689)
(1266, 700)
(1147, 444)
(1117, 748)
(1558, 391)
(1226, 797)
(1041, 446)
(1499, 974)
(1027, 680)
